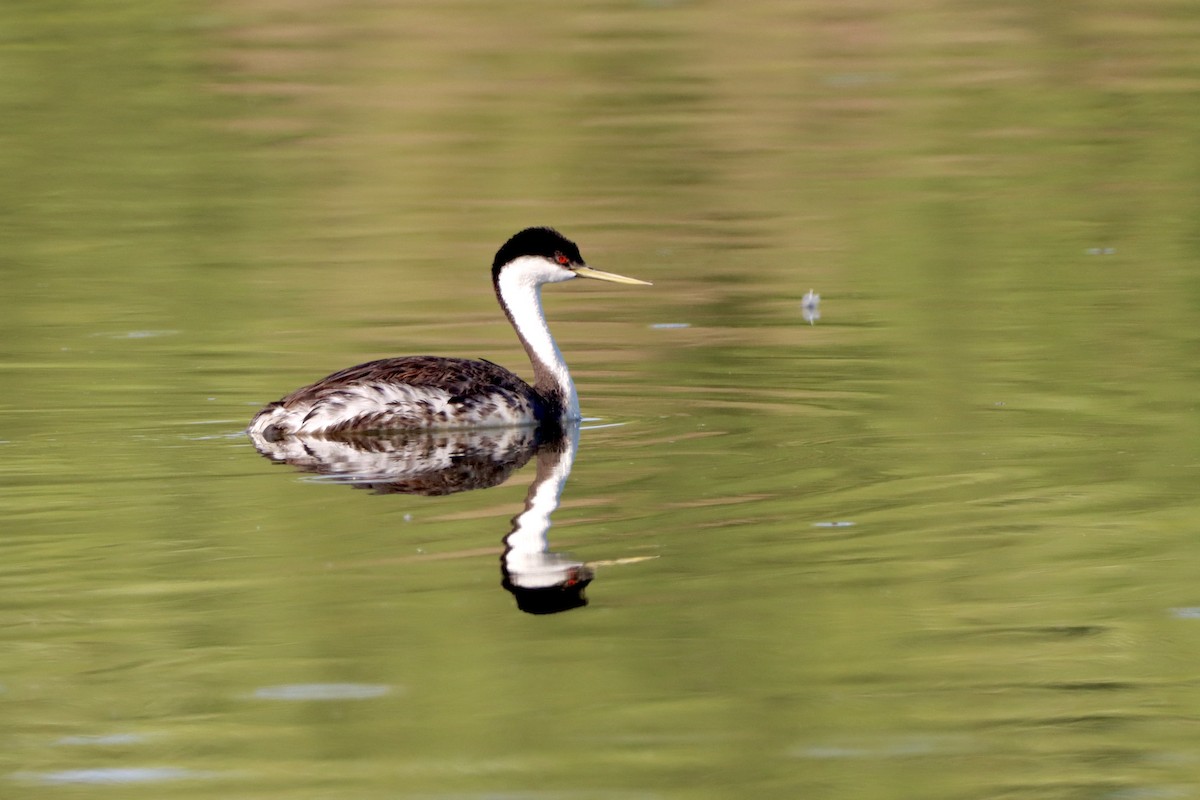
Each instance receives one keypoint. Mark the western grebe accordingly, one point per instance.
(435, 392)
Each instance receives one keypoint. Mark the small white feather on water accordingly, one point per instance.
(811, 306)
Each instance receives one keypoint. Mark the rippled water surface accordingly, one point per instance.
(934, 535)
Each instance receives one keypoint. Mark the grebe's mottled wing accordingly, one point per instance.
(458, 376)
(403, 393)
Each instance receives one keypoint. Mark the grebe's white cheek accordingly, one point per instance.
(534, 270)
(553, 273)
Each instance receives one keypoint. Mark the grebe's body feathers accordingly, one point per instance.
(407, 393)
(434, 392)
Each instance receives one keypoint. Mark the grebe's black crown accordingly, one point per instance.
(544, 242)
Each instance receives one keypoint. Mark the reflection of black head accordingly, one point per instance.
(552, 599)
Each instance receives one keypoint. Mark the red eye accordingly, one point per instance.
(560, 258)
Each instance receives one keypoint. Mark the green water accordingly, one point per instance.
(939, 544)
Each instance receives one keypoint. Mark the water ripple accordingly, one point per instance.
(107, 776)
(322, 691)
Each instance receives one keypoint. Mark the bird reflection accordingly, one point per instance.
(544, 582)
(449, 461)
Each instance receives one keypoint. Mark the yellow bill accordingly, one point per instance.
(588, 272)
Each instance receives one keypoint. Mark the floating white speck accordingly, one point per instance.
(834, 524)
(1101, 251)
(665, 326)
(811, 307)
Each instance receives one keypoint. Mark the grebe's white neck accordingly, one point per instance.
(519, 289)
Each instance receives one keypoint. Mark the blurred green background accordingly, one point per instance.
(206, 204)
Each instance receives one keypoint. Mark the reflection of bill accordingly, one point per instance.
(445, 462)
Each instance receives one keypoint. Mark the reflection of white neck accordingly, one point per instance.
(520, 290)
(527, 545)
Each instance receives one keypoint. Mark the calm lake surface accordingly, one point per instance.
(941, 542)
